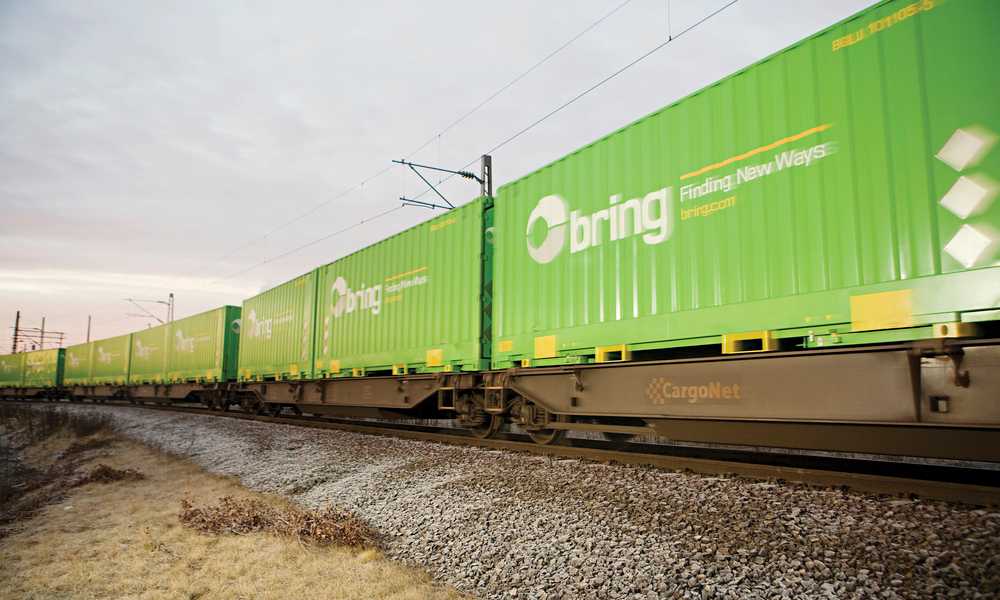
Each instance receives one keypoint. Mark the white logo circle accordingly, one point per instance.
(339, 289)
(553, 210)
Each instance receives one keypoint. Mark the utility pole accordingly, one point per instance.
(17, 330)
(35, 337)
(485, 179)
(169, 303)
(88, 328)
(486, 176)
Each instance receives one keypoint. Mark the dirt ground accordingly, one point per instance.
(124, 540)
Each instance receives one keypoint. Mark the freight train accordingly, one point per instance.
(801, 255)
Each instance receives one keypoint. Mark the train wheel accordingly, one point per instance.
(531, 417)
(473, 416)
(491, 424)
(618, 438)
(249, 404)
(546, 436)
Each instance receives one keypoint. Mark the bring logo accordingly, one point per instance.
(649, 216)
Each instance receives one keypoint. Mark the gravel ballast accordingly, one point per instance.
(507, 525)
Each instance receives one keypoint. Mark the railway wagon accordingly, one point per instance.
(110, 360)
(43, 368)
(277, 331)
(379, 332)
(408, 304)
(203, 347)
(11, 370)
(78, 364)
(801, 255)
(838, 192)
(187, 359)
(149, 355)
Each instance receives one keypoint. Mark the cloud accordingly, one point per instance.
(55, 281)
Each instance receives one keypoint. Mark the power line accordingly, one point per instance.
(312, 243)
(524, 74)
(437, 136)
(308, 212)
(636, 61)
(574, 99)
(506, 141)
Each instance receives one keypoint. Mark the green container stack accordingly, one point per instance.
(837, 192)
(11, 370)
(110, 360)
(203, 347)
(277, 331)
(79, 361)
(43, 368)
(410, 303)
(149, 355)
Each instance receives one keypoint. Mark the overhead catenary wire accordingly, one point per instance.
(311, 243)
(310, 211)
(523, 74)
(600, 83)
(435, 137)
(497, 146)
(590, 89)
(510, 138)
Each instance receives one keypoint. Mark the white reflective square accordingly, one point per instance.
(973, 245)
(971, 195)
(966, 147)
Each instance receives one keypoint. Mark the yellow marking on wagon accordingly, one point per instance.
(406, 274)
(882, 310)
(756, 151)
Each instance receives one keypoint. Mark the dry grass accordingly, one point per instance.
(41, 421)
(253, 515)
(124, 540)
(102, 473)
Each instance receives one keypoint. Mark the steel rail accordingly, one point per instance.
(953, 484)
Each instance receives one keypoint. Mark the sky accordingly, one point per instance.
(193, 147)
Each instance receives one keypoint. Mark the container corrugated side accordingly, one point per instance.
(78, 364)
(44, 368)
(11, 370)
(110, 360)
(410, 303)
(198, 346)
(148, 357)
(786, 198)
(276, 332)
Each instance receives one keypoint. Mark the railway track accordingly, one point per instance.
(951, 481)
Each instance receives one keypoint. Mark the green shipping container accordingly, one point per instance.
(204, 347)
(410, 303)
(837, 192)
(11, 370)
(44, 368)
(277, 331)
(110, 360)
(149, 355)
(78, 364)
